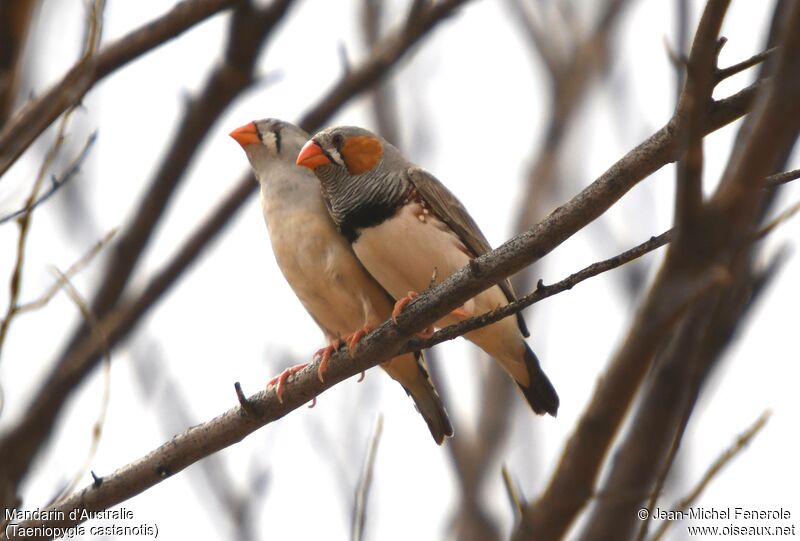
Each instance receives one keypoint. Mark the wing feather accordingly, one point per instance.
(451, 211)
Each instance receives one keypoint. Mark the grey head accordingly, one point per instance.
(270, 142)
(363, 177)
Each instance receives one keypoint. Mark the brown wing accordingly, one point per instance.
(449, 209)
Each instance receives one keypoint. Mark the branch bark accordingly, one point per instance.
(21, 442)
(15, 23)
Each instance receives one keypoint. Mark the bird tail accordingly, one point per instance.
(411, 371)
(540, 393)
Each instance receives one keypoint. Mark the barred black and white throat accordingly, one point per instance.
(361, 200)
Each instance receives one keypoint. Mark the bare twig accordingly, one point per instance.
(766, 139)
(94, 27)
(572, 71)
(781, 178)
(515, 498)
(681, 43)
(542, 292)
(383, 102)
(226, 497)
(15, 23)
(545, 48)
(73, 269)
(97, 429)
(392, 48)
(362, 491)
(756, 59)
(738, 446)
(56, 183)
(777, 221)
(697, 91)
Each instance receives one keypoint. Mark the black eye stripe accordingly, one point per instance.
(277, 133)
(325, 152)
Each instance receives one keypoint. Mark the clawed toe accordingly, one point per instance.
(355, 338)
(325, 354)
(280, 380)
(400, 305)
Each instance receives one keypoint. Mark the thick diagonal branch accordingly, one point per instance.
(20, 443)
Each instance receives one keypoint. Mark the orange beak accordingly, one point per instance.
(312, 156)
(246, 135)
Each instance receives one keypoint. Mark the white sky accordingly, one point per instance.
(479, 97)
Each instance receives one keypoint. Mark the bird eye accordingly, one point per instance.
(337, 140)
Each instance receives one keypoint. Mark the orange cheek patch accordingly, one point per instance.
(361, 153)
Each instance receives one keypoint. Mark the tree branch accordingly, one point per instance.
(20, 443)
(392, 48)
(781, 178)
(542, 292)
(15, 23)
(738, 446)
(55, 183)
(27, 124)
(700, 82)
(572, 484)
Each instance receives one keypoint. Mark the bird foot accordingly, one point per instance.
(400, 305)
(325, 354)
(280, 380)
(353, 339)
(427, 332)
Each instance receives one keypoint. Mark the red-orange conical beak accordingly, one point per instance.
(312, 156)
(246, 135)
